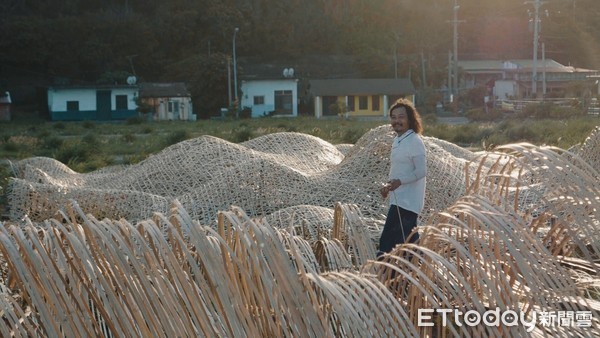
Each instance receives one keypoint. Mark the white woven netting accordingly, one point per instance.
(262, 176)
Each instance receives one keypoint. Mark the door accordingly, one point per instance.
(328, 103)
(103, 105)
(283, 102)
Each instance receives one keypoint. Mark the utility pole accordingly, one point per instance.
(544, 70)
(423, 75)
(229, 82)
(235, 87)
(395, 61)
(130, 58)
(536, 28)
(455, 23)
(450, 91)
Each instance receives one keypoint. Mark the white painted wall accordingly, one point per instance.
(504, 89)
(267, 88)
(57, 98)
(131, 95)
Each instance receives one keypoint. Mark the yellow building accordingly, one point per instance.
(358, 97)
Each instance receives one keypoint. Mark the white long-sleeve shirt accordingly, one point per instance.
(409, 165)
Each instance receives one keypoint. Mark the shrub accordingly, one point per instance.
(43, 134)
(73, 153)
(177, 136)
(59, 125)
(246, 113)
(241, 135)
(474, 97)
(351, 135)
(567, 112)
(286, 127)
(90, 139)
(465, 134)
(550, 110)
(521, 132)
(11, 146)
(147, 129)
(128, 137)
(88, 125)
(493, 140)
(430, 118)
(134, 120)
(52, 143)
(91, 164)
(480, 114)
(135, 158)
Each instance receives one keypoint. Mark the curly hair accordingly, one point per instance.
(414, 118)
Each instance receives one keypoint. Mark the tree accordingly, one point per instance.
(206, 77)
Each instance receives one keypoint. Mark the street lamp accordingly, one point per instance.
(235, 87)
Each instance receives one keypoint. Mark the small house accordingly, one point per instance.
(358, 97)
(92, 102)
(166, 101)
(514, 78)
(270, 97)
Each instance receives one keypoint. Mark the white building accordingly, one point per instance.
(277, 97)
(102, 102)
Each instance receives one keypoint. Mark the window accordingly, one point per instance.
(283, 102)
(72, 105)
(121, 102)
(375, 102)
(259, 100)
(363, 102)
(173, 107)
(350, 103)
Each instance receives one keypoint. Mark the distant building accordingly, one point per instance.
(166, 101)
(92, 102)
(513, 78)
(358, 97)
(270, 97)
(5, 107)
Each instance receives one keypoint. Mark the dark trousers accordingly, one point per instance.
(398, 225)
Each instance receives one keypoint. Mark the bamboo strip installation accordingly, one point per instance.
(156, 255)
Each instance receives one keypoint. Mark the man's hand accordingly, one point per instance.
(385, 191)
(389, 186)
(394, 184)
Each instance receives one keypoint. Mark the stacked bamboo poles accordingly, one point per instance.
(172, 276)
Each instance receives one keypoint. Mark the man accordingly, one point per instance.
(406, 185)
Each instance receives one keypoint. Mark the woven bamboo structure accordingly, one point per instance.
(261, 176)
(157, 249)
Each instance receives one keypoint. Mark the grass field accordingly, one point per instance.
(86, 146)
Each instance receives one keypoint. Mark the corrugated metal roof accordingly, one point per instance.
(154, 89)
(340, 87)
(473, 66)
